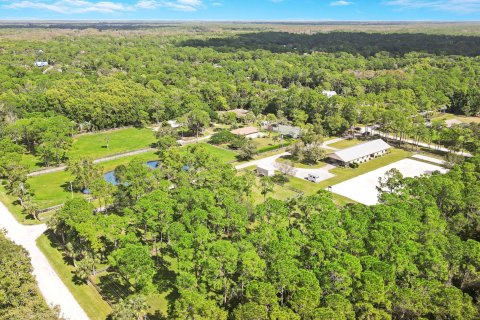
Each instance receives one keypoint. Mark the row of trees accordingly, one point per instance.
(20, 297)
(416, 255)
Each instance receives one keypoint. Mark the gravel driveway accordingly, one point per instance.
(51, 287)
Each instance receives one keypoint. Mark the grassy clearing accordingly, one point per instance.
(223, 155)
(124, 140)
(343, 174)
(279, 193)
(52, 189)
(86, 295)
(341, 200)
(464, 119)
(16, 210)
(297, 164)
(347, 143)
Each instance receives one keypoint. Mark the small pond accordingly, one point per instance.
(110, 175)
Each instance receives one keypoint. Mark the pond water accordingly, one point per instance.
(110, 175)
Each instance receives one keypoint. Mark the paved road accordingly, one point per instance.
(52, 288)
(109, 158)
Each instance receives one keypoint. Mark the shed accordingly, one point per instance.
(361, 153)
(266, 170)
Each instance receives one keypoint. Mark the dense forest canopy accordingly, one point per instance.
(190, 230)
(114, 79)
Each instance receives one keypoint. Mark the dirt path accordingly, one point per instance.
(51, 286)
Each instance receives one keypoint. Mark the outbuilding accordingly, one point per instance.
(360, 153)
(266, 170)
(329, 94)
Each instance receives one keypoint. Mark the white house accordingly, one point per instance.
(290, 131)
(41, 63)
(360, 153)
(329, 93)
(174, 124)
(266, 170)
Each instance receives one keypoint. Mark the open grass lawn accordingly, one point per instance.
(279, 192)
(124, 140)
(347, 143)
(343, 174)
(10, 202)
(223, 155)
(52, 189)
(86, 295)
(297, 164)
(464, 119)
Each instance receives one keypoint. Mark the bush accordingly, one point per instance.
(271, 148)
(222, 137)
(353, 165)
(280, 178)
(238, 143)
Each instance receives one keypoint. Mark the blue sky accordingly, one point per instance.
(386, 10)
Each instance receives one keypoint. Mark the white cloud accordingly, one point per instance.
(459, 6)
(85, 6)
(340, 3)
(71, 6)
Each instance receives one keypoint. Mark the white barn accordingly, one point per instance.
(360, 153)
(329, 93)
(41, 63)
(266, 170)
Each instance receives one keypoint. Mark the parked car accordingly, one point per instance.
(313, 178)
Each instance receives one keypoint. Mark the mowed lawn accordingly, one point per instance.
(86, 295)
(224, 155)
(343, 174)
(464, 119)
(94, 146)
(347, 143)
(52, 189)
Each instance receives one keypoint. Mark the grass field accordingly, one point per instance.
(86, 295)
(347, 143)
(124, 140)
(464, 119)
(287, 159)
(223, 155)
(51, 189)
(343, 174)
(279, 193)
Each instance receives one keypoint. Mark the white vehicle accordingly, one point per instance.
(313, 178)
